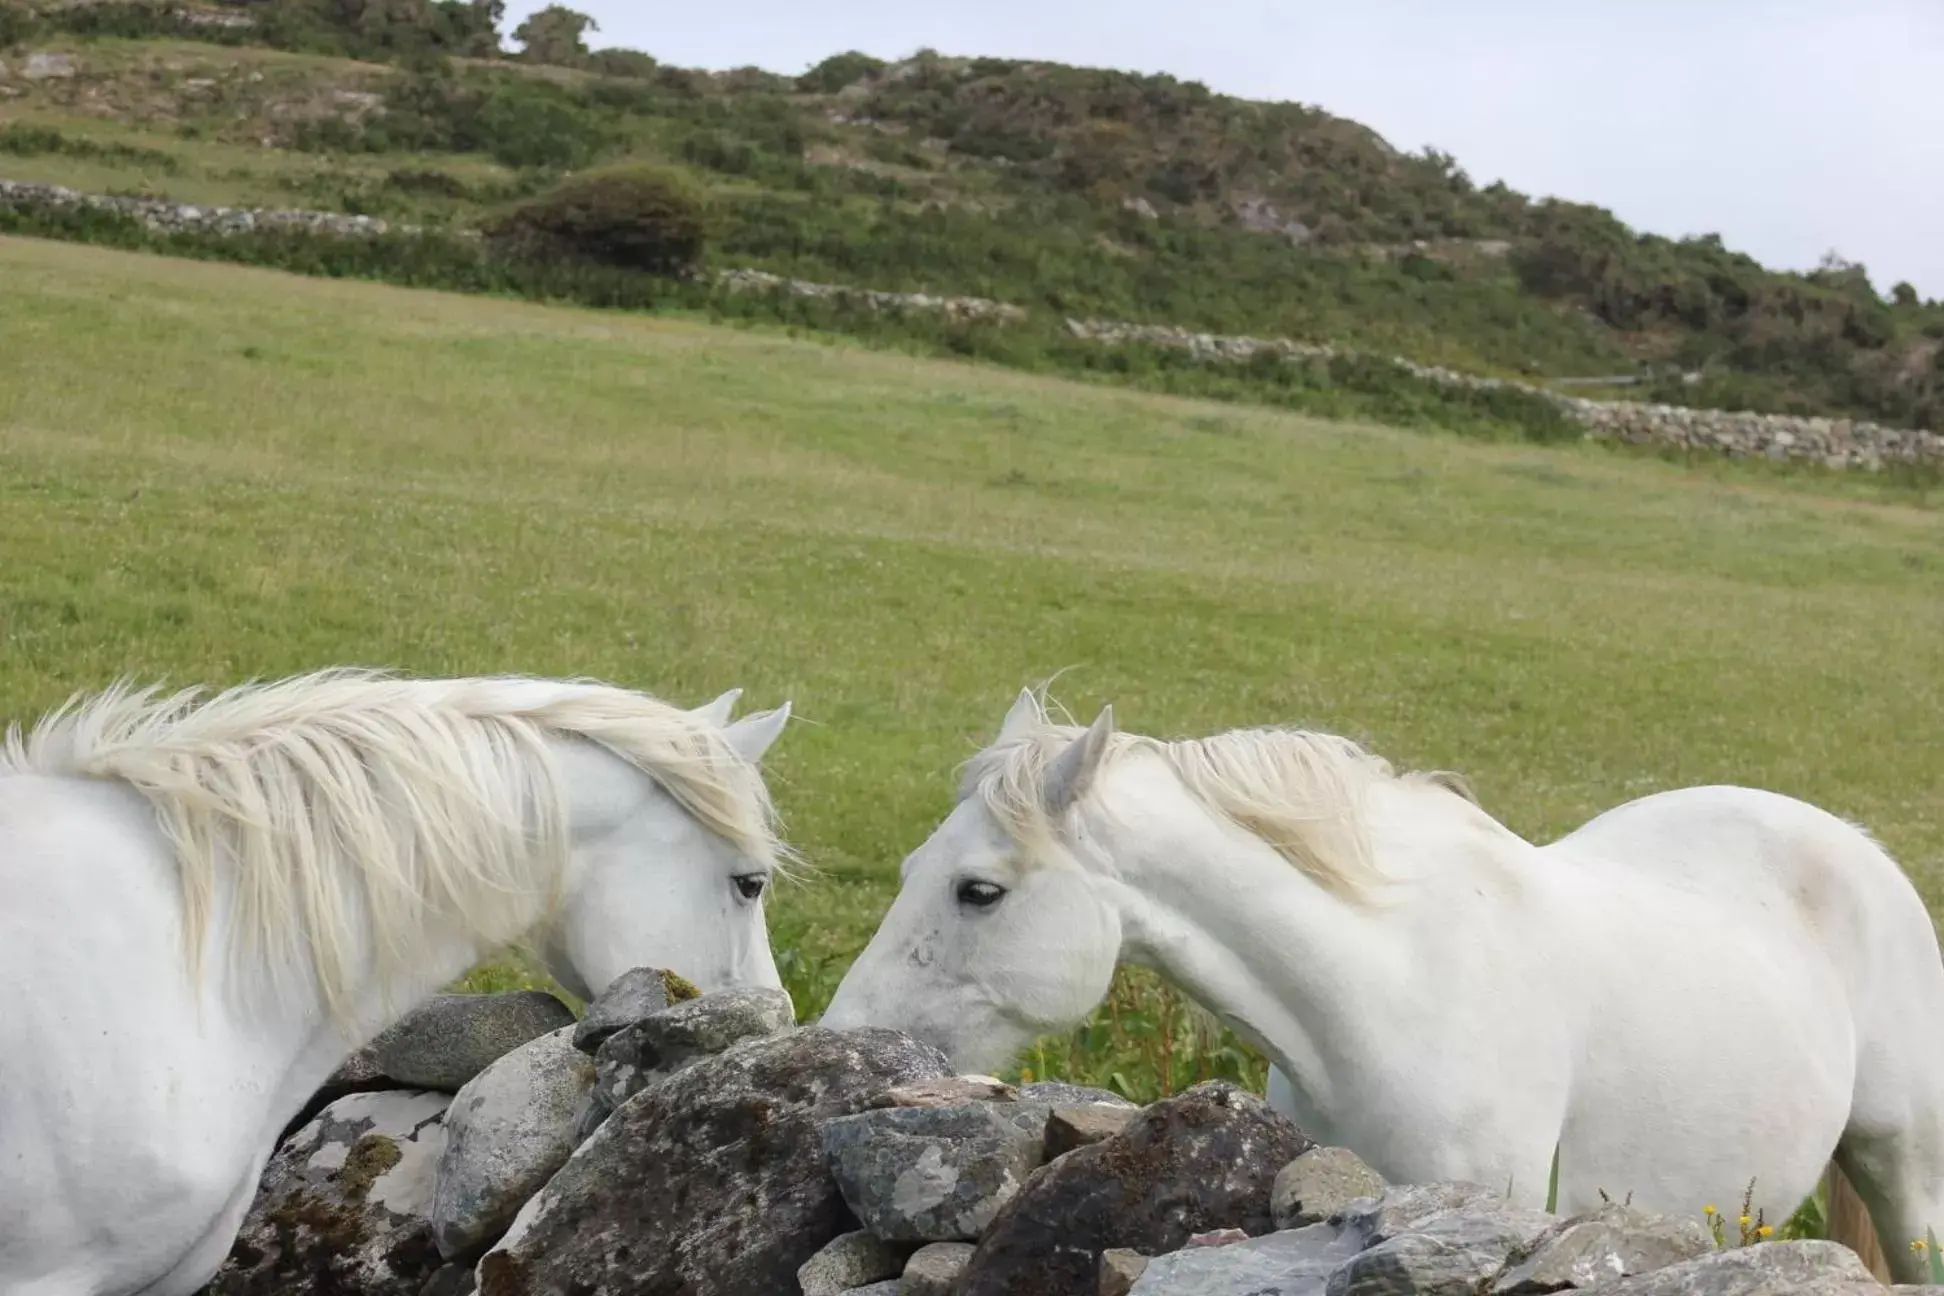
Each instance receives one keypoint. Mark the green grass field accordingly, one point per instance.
(209, 473)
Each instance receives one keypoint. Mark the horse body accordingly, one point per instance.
(141, 1095)
(1648, 995)
(130, 1112)
(1692, 991)
(1837, 943)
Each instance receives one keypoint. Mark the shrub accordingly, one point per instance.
(524, 125)
(23, 140)
(16, 25)
(622, 63)
(632, 217)
(426, 183)
(838, 71)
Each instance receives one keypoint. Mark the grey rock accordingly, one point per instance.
(1054, 1093)
(508, 1129)
(664, 1042)
(847, 1261)
(934, 1268)
(709, 1024)
(634, 995)
(1202, 1160)
(952, 1091)
(449, 1039)
(449, 1280)
(1600, 1246)
(933, 1174)
(1294, 1262)
(43, 65)
(711, 1183)
(1806, 1268)
(1404, 1208)
(1449, 1254)
(889, 1287)
(615, 1081)
(359, 1073)
(1319, 1183)
(341, 1210)
(1120, 1269)
(1070, 1127)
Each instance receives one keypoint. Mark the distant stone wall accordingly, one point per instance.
(1833, 442)
(956, 307)
(171, 217)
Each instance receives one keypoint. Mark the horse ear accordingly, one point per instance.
(1025, 714)
(1072, 771)
(752, 735)
(719, 711)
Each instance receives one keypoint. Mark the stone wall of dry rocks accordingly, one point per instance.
(874, 299)
(492, 1145)
(174, 217)
(1832, 442)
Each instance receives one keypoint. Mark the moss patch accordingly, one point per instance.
(369, 1158)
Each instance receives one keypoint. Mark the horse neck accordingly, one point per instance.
(600, 790)
(1294, 968)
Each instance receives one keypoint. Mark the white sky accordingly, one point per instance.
(1789, 127)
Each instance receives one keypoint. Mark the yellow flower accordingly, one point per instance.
(1745, 1219)
(1765, 1230)
(1707, 1210)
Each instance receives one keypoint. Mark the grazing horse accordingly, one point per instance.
(1694, 990)
(206, 904)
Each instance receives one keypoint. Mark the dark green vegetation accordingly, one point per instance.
(1071, 191)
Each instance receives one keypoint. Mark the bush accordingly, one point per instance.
(631, 217)
(838, 71)
(622, 63)
(23, 140)
(523, 125)
(16, 25)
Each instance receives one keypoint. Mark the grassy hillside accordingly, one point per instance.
(1073, 191)
(210, 472)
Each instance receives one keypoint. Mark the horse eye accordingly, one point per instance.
(751, 884)
(980, 895)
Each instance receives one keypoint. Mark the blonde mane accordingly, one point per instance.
(413, 801)
(1298, 791)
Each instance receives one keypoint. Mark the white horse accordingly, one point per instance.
(207, 904)
(1694, 990)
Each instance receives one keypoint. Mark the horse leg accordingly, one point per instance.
(1896, 1178)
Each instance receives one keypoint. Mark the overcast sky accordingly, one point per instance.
(1789, 127)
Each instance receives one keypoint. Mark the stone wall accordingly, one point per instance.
(1832, 442)
(956, 307)
(173, 217)
(492, 1145)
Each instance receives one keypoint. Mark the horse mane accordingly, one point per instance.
(1298, 791)
(417, 800)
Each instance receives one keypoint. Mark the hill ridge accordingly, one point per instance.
(1086, 191)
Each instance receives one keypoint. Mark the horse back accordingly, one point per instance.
(1761, 859)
